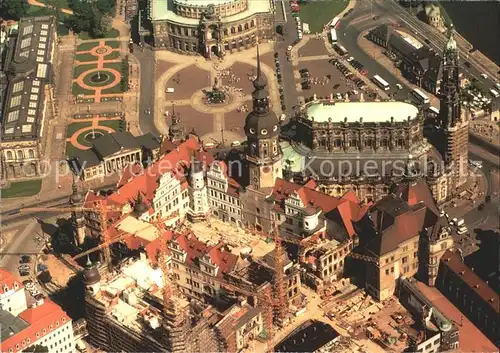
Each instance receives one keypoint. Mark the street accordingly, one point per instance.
(147, 84)
(362, 19)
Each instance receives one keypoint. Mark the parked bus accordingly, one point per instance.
(379, 81)
(334, 22)
(340, 49)
(333, 35)
(422, 98)
(494, 93)
(434, 110)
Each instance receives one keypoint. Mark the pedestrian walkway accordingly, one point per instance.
(41, 4)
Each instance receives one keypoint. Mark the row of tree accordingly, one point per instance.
(92, 16)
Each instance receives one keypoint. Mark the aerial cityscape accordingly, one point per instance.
(249, 176)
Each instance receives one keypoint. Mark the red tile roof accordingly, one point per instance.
(146, 183)
(196, 249)
(49, 316)
(394, 222)
(471, 338)
(418, 191)
(347, 207)
(9, 280)
(454, 263)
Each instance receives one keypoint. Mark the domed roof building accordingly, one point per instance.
(210, 27)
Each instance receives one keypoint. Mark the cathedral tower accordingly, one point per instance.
(453, 121)
(77, 217)
(263, 152)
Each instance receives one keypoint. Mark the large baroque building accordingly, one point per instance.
(367, 147)
(211, 27)
(29, 69)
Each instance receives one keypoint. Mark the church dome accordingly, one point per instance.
(262, 125)
(91, 276)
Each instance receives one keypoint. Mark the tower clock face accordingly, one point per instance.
(266, 170)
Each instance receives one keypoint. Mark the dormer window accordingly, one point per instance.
(252, 130)
(263, 132)
(275, 127)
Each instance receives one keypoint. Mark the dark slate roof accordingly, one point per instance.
(400, 44)
(393, 222)
(308, 337)
(383, 32)
(85, 159)
(435, 69)
(249, 315)
(111, 143)
(148, 141)
(28, 67)
(10, 325)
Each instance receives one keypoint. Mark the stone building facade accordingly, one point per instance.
(210, 27)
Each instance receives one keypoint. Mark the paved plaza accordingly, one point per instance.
(182, 84)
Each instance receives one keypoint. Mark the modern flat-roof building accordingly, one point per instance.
(210, 27)
(29, 67)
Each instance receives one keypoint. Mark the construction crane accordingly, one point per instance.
(159, 223)
(100, 208)
(280, 302)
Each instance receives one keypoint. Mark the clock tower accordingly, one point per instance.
(262, 129)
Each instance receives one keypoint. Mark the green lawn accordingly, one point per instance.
(87, 46)
(22, 188)
(113, 44)
(80, 69)
(114, 124)
(74, 127)
(318, 13)
(85, 57)
(112, 56)
(79, 90)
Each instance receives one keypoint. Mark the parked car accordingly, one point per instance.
(25, 259)
(41, 267)
(481, 207)
(336, 86)
(276, 54)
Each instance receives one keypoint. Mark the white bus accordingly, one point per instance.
(494, 93)
(422, 98)
(333, 35)
(340, 49)
(334, 22)
(434, 110)
(381, 82)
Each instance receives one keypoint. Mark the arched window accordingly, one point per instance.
(31, 154)
(9, 155)
(233, 30)
(240, 28)
(252, 24)
(20, 155)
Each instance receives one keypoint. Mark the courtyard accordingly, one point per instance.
(98, 72)
(85, 128)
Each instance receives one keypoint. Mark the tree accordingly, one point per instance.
(37, 348)
(13, 9)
